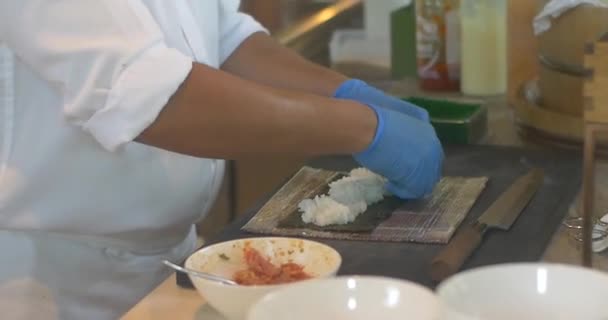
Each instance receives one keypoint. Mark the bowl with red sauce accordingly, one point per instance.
(260, 266)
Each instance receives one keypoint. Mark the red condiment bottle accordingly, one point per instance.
(438, 44)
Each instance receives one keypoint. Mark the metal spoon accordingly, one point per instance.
(199, 274)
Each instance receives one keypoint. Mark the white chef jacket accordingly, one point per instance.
(86, 215)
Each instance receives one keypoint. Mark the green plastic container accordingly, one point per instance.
(455, 122)
(403, 42)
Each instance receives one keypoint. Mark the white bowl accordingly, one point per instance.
(349, 298)
(525, 292)
(226, 258)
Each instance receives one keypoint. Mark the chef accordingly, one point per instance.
(115, 116)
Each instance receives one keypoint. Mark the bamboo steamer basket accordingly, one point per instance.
(561, 54)
(555, 114)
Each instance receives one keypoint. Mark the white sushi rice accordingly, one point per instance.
(360, 185)
(348, 197)
(323, 211)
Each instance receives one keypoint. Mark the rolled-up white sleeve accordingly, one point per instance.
(235, 27)
(107, 59)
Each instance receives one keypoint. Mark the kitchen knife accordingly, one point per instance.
(500, 215)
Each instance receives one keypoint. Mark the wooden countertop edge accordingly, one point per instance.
(183, 303)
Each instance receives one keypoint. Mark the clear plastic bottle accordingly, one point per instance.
(484, 47)
(438, 44)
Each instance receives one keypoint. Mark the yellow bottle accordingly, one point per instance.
(484, 47)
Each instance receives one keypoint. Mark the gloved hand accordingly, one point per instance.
(361, 92)
(406, 151)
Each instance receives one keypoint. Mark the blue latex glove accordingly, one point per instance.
(406, 151)
(361, 92)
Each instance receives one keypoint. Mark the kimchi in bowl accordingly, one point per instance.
(259, 265)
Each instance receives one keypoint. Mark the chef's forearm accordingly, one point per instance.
(217, 115)
(261, 59)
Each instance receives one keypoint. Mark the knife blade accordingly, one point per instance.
(500, 216)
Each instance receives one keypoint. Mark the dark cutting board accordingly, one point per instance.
(525, 242)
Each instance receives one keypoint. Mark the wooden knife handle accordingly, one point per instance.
(453, 256)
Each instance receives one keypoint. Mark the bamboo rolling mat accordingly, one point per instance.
(433, 220)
